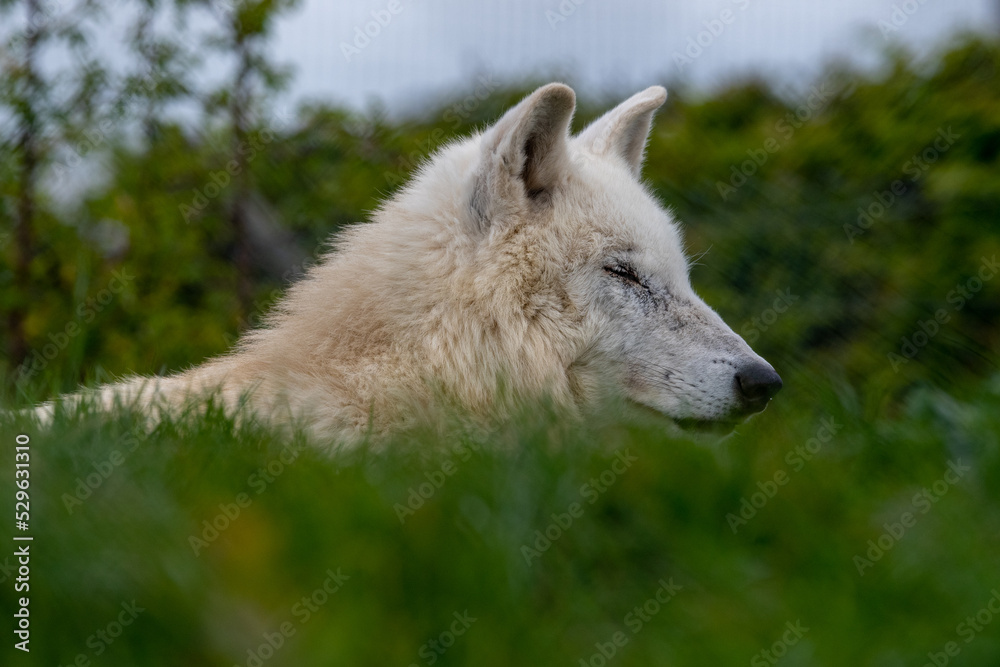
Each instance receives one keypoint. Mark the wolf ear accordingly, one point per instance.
(526, 153)
(623, 130)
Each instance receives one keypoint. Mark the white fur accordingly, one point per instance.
(485, 282)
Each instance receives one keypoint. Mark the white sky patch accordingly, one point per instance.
(604, 46)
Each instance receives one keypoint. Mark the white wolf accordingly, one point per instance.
(519, 263)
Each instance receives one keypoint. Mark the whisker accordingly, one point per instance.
(695, 261)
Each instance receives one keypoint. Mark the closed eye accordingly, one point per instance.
(625, 273)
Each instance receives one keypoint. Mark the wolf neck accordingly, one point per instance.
(414, 296)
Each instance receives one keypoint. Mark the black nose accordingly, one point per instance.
(758, 383)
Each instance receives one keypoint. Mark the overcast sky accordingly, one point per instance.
(421, 48)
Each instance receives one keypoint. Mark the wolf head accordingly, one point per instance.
(526, 254)
(611, 263)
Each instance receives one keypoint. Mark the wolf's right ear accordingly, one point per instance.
(623, 131)
(525, 154)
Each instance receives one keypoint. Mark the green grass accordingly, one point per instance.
(663, 517)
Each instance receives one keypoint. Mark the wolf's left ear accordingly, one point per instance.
(623, 131)
(526, 153)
